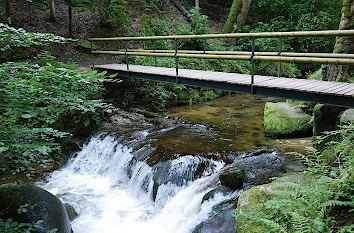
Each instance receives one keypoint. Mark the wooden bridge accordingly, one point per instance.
(332, 93)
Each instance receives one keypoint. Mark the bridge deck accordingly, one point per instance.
(333, 93)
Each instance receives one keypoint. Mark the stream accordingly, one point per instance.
(153, 179)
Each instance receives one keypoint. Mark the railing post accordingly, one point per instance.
(252, 67)
(126, 56)
(205, 65)
(119, 56)
(279, 54)
(92, 55)
(176, 59)
(154, 52)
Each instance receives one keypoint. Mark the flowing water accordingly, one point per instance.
(154, 180)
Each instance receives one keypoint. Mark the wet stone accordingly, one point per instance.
(232, 178)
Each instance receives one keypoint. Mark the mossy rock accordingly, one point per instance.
(251, 201)
(282, 120)
(42, 206)
(347, 117)
(84, 46)
(233, 178)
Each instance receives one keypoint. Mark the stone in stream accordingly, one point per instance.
(42, 205)
(72, 214)
(232, 178)
(221, 189)
(282, 120)
(221, 219)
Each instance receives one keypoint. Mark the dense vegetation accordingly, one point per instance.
(327, 192)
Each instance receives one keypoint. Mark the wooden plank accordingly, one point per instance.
(344, 92)
(343, 87)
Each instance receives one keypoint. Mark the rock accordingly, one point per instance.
(221, 189)
(83, 46)
(283, 120)
(251, 201)
(325, 118)
(220, 220)
(259, 167)
(232, 178)
(177, 172)
(145, 113)
(72, 214)
(347, 117)
(121, 119)
(43, 206)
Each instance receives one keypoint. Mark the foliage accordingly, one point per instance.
(306, 207)
(156, 5)
(11, 37)
(302, 15)
(113, 13)
(198, 25)
(155, 27)
(39, 106)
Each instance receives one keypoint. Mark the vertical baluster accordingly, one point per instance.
(154, 52)
(205, 64)
(176, 59)
(252, 67)
(279, 54)
(126, 56)
(92, 55)
(119, 56)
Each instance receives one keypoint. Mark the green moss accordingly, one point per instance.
(252, 201)
(347, 8)
(283, 120)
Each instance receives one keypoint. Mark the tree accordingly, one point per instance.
(8, 12)
(196, 3)
(343, 45)
(52, 14)
(71, 4)
(237, 15)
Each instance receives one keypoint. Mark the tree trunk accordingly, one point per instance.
(70, 21)
(8, 12)
(237, 15)
(342, 73)
(196, 3)
(181, 9)
(30, 13)
(52, 15)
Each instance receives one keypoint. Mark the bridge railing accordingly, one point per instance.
(280, 56)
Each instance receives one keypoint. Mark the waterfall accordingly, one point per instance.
(112, 190)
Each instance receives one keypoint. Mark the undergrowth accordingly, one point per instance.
(40, 105)
(309, 205)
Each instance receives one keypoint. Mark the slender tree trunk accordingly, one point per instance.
(8, 12)
(30, 13)
(237, 15)
(343, 45)
(196, 3)
(70, 21)
(52, 15)
(181, 9)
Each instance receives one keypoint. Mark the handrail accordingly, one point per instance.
(236, 35)
(285, 54)
(315, 60)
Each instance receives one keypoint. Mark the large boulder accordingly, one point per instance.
(251, 201)
(326, 118)
(40, 205)
(259, 166)
(282, 120)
